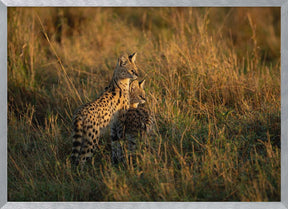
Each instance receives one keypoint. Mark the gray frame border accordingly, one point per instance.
(149, 3)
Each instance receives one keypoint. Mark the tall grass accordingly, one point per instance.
(212, 83)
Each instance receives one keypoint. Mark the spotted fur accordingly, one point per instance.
(131, 124)
(90, 120)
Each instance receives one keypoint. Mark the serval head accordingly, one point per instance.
(137, 93)
(126, 68)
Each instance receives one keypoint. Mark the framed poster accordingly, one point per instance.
(213, 88)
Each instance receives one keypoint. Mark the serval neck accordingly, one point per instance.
(122, 84)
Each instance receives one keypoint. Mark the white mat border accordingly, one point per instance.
(148, 3)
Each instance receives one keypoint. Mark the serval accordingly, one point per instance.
(91, 119)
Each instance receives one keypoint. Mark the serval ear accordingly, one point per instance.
(132, 57)
(133, 85)
(122, 61)
(141, 83)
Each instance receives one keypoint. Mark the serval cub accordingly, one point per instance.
(136, 122)
(91, 119)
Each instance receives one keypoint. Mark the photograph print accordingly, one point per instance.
(144, 104)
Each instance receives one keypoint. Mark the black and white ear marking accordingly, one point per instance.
(141, 83)
(122, 61)
(133, 85)
(132, 57)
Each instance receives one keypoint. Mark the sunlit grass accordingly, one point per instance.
(213, 87)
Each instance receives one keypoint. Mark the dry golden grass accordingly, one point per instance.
(212, 83)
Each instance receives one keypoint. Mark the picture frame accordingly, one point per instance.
(147, 3)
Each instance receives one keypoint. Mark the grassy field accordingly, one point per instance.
(212, 84)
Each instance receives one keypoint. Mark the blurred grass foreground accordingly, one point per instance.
(212, 84)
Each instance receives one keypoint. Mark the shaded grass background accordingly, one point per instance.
(212, 83)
